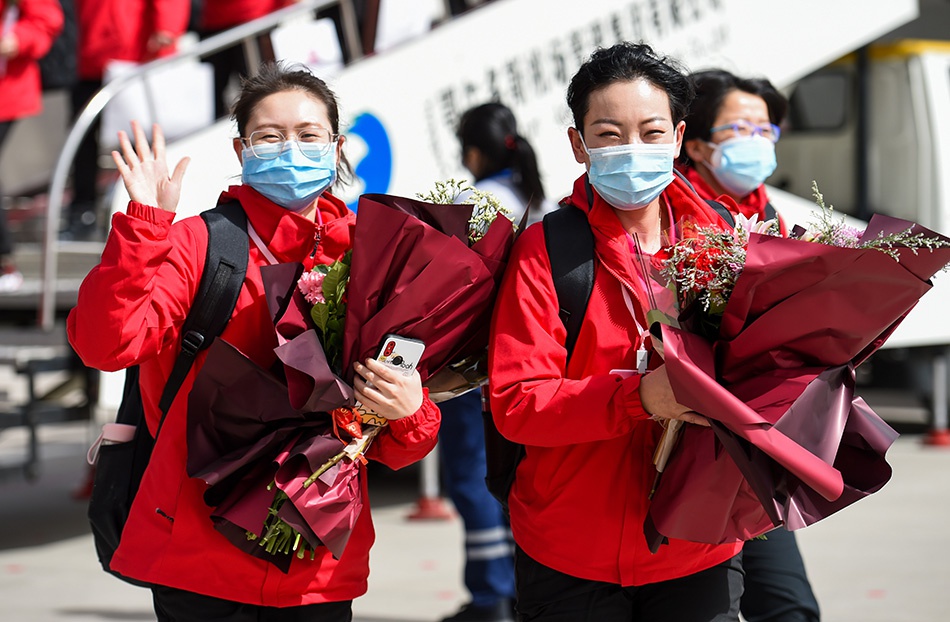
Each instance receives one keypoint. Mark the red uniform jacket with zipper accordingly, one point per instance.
(130, 311)
(39, 22)
(580, 497)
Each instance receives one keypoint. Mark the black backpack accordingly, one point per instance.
(569, 242)
(120, 466)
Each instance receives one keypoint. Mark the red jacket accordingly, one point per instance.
(752, 204)
(224, 14)
(580, 496)
(120, 30)
(20, 90)
(130, 309)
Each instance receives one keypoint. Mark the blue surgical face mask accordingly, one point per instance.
(292, 179)
(630, 177)
(743, 163)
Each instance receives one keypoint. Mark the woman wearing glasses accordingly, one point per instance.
(729, 144)
(291, 153)
(729, 148)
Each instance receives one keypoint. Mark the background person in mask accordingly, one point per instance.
(729, 145)
(589, 425)
(730, 149)
(290, 148)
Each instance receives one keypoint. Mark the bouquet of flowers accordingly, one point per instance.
(282, 453)
(765, 346)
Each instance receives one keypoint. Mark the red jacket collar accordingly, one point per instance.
(610, 239)
(289, 235)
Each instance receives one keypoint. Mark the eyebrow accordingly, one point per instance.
(609, 121)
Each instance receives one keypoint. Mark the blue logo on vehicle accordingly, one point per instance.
(375, 168)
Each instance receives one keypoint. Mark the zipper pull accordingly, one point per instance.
(317, 237)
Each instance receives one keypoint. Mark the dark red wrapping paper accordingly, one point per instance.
(790, 443)
(412, 273)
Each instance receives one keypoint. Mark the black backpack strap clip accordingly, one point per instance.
(221, 282)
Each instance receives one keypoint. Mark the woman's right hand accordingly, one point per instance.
(656, 396)
(145, 172)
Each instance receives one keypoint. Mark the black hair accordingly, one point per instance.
(711, 88)
(624, 62)
(492, 129)
(274, 77)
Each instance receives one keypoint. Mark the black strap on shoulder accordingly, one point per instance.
(720, 209)
(770, 212)
(570, 245)
(221, 281)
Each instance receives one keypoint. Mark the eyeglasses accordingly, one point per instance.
(744, 128)
(314, 142)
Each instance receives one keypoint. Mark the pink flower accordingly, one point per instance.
(310, 285)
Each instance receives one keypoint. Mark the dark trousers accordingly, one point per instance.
(776, 587)
(6, 240)
(86, 164)
(172, 605)
(708, 596)
(489, 563)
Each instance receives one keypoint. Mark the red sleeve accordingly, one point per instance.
(39, 24)
(131, 305)
(533, 401)
(409, 439)
(171, 16)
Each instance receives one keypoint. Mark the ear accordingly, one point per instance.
(577, 146)
(339, 149)
(697, 150)
(238, 148)
(680, 130)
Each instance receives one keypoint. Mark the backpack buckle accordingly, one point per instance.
(191, 342)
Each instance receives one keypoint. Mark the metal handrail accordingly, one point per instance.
(94, 108)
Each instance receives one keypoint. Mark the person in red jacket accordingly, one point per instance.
(27, 30)
(131, 308)
(589, 423)
(729, 149)
(129, 30)
(729, 145)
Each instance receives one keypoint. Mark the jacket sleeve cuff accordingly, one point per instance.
(149, 213)
(630, 390)
(424, 418)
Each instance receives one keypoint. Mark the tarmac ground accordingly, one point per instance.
(884, 559)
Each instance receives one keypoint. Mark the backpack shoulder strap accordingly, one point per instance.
(218, 290)
(570, 246)
(720, 209)
(726, 215)
(770, 212)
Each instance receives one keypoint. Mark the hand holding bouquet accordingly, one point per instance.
(772, 329)
(281, 454)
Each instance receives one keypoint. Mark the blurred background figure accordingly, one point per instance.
(127, 30)
(503, 163)
(27, 30)
(220, 15)
(729, 145)
(729, 148)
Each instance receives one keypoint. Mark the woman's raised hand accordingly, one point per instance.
(145, 172)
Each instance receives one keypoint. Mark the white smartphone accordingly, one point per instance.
(401, 353)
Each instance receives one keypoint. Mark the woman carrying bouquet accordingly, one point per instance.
(131, 307)
(590, 423)
(729, 144)
(729, 148)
